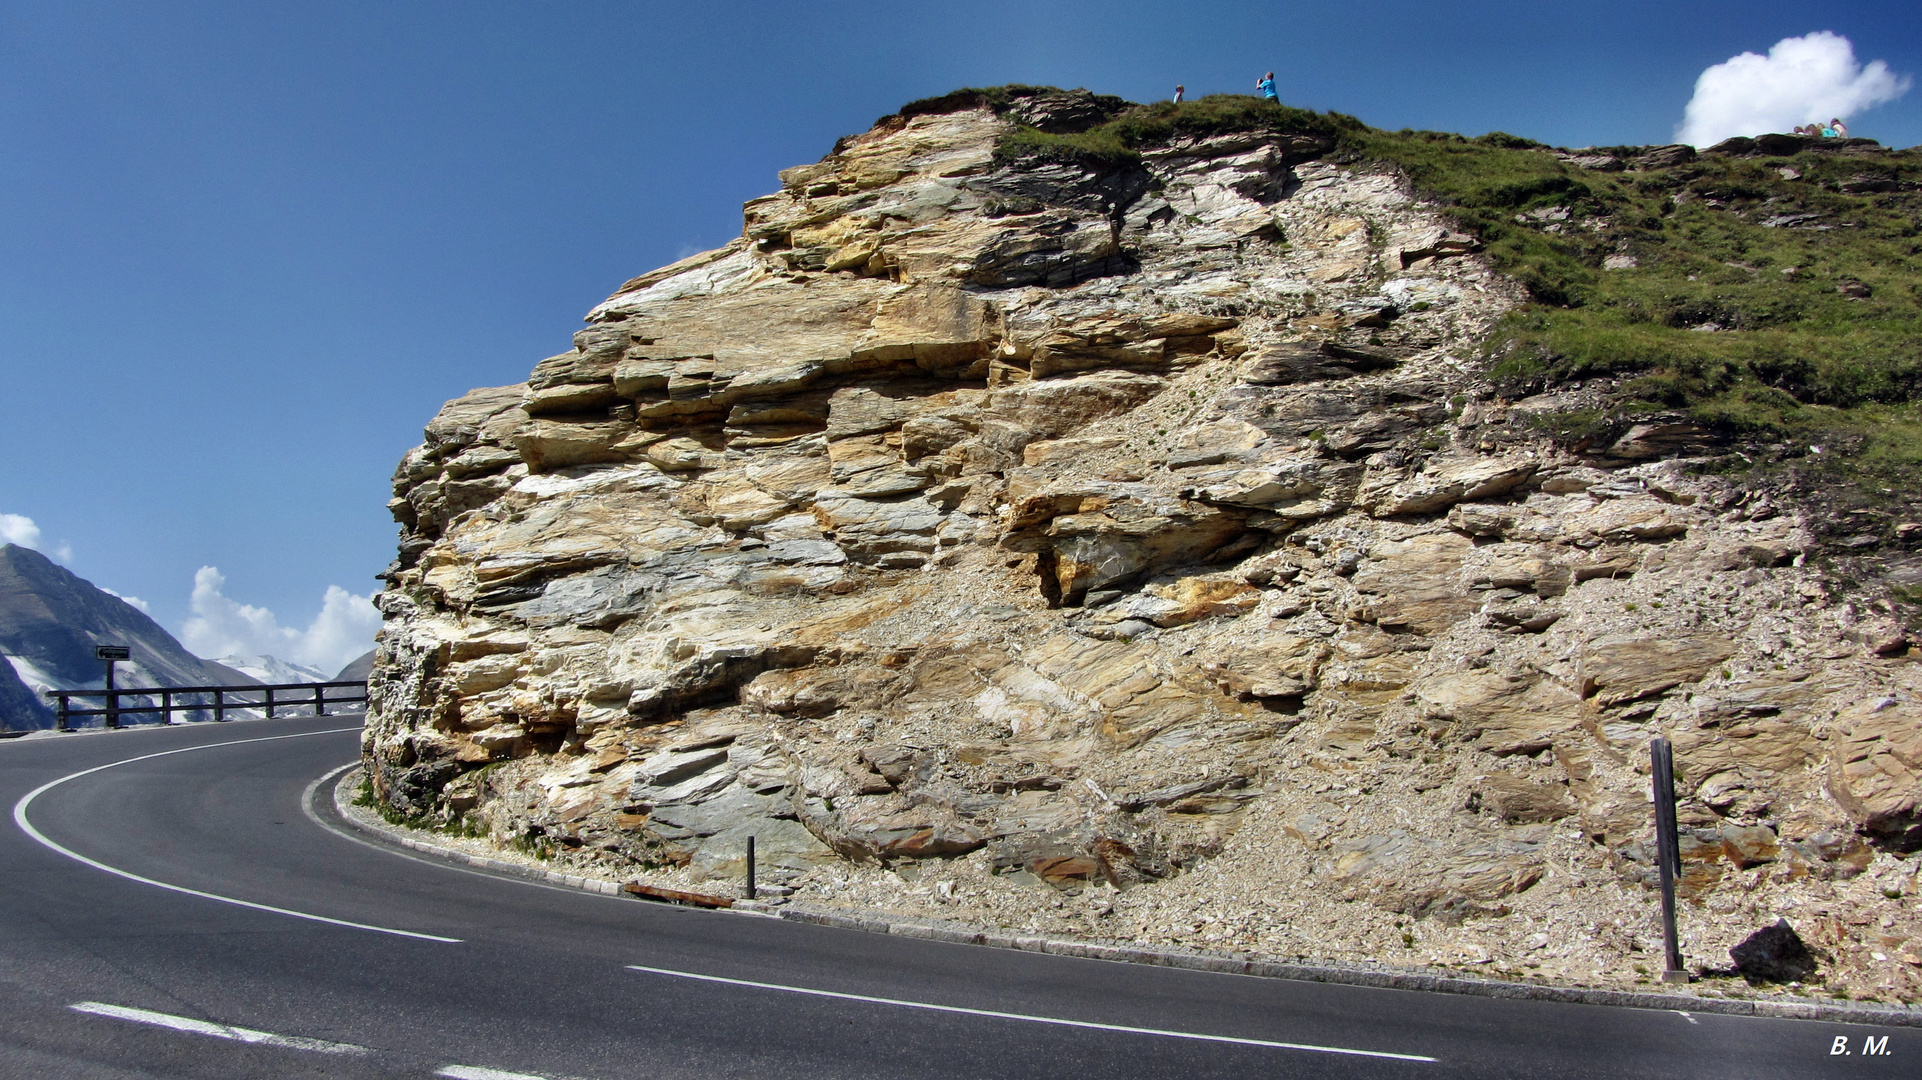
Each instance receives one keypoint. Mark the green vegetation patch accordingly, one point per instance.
(1743, 290)
(1771, 299)
(1119, 141)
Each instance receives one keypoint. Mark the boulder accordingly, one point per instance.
(1498, 712)
(1519, 801)
(1624, 668)
(1775, 953)
(1875, 770)
(1442, 483)
(1416, 582)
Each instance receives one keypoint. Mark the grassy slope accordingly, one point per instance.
(1821, 339)
(1821, 319)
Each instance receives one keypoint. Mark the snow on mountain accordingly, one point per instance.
(271, 669)
(50, 621)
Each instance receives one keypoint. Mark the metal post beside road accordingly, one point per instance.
(1668, 852)
(109, 655)
(750, 868)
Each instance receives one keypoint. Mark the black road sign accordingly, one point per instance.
(111, 652)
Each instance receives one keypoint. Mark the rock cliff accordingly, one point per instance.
(1133, 544)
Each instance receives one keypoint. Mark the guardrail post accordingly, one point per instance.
(112, 702)
(1668, 852)
(220, 706)
(320, 699)
(270, 703)
(60, 718)
(750, 868)
(166, 707)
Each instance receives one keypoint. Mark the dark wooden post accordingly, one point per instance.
(220, 706)
(1668, 852)
(113, 700)
(60, 717)
(166, 707)
(270, 703)
(320, 699)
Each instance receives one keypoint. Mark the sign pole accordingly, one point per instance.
(1668, 852)
(109, 655)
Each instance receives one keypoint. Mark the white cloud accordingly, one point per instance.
(222, 626)
(1803, 80)
(133, 600)
(20, 529)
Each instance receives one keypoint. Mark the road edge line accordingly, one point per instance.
(396, 834)
(1030, 1018)
(33, 833)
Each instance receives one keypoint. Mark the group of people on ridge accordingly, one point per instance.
(1265, 85)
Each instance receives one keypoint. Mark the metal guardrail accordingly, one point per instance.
(269, 698)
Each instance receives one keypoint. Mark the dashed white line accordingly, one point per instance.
(478, 1072)
(218, 1031)
(482, 1072)
(20, 819)
(1024, 1017)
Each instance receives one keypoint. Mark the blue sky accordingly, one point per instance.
(247, 249)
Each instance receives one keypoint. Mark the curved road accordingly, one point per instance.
(420, 969)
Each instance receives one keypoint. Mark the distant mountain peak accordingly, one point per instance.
(271, 669)
(50, 621)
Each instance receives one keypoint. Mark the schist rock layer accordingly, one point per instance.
(1134, 545)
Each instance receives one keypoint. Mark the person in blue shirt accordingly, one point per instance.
(1266, 84)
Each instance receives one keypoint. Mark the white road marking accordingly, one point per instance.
(1034, 1019)
(307, 807)
(479, 1072)
(218, 1031)
(20, 819)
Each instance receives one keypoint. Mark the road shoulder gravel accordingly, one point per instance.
(481, 855)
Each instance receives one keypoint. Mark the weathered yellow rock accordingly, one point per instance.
(1627, 668)
(1875, 770)
(939, 517)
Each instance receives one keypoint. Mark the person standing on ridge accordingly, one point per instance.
(1841, 129)
(1179, 90)
(1266, 85)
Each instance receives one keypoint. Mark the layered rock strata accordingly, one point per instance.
(1072, 546)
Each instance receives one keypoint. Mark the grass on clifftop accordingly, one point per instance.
(1771, 299)
(1120, 140)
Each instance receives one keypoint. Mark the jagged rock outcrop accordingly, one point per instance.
(1093, 524)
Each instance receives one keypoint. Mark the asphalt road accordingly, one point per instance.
(105, 975)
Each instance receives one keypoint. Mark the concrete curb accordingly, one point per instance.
(1193, 960)
(1362, 975)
